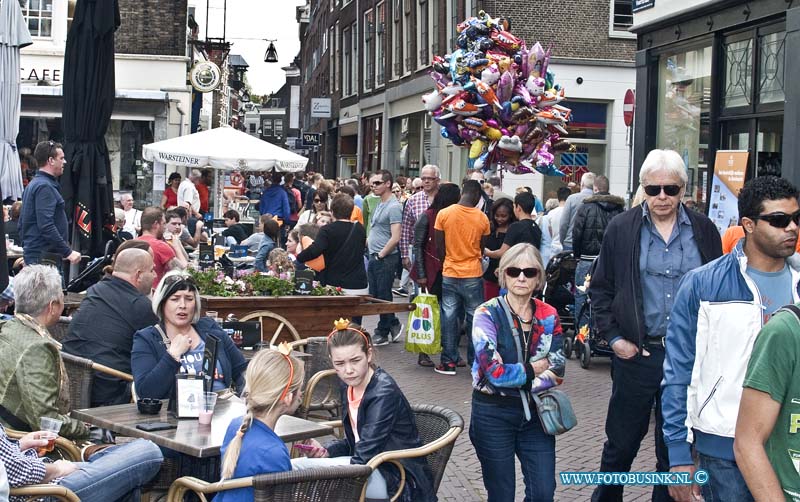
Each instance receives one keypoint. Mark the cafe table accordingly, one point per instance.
(189, 437)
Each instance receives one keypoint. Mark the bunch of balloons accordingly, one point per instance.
(496, 97)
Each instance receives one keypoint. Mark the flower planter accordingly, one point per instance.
(310, 315)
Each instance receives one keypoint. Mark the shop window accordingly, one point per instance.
(621, 18)
(252, 127)
(587, 157)
(738, 73)
(587, 120)
(769, 143)
(39, 14)
(684, 105)
(770, 68)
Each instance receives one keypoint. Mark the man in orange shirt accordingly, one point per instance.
(461, 231)
(732, 236)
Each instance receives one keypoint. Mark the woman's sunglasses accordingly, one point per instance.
(655, 190)
(778, 220)
(317, 201)
(529, 272)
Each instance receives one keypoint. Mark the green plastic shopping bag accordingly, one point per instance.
(423, 335)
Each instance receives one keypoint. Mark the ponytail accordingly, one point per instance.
(235, 447)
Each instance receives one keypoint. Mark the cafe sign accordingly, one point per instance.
(28, 74)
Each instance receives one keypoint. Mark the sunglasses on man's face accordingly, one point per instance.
(655, 190)
(778, 220)
(529, 272)
(377, 183)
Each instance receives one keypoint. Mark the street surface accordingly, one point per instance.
(577, 450)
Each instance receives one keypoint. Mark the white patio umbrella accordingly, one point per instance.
(14, 35)
(223, 148)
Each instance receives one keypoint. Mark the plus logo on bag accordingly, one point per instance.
(423, 326)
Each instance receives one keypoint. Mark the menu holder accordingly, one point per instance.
(206, 256)
(210, 362)
(304, 282)
(188, 391)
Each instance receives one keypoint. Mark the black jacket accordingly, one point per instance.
(102, 330)
(616, 287)
(591, 220)
(385, 422)
(342, 244)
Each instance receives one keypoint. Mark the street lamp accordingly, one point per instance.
(272, 55)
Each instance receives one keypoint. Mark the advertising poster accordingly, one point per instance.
(730, 167)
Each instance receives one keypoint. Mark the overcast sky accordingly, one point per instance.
(255, 19)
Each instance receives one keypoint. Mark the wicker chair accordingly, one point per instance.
(321, 394)
(60, 329)
(438, 429)
(36, 492)
(341, 484)
(80, 372)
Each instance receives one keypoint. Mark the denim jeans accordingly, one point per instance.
(500, 432)
(459, 295)
(581, 269)
(725, 481)
(115, 473)
(380, 274)
(635, 386)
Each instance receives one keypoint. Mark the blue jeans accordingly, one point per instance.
(380, 274)
(115, 473)
(725, 481)
(581, 269)
(459, 296)
(500, 432)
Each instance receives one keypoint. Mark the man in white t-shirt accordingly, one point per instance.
(188, 195)
(133, 217)
(555, 220)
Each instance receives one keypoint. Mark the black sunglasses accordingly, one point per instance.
(317, 200)
(778, 220)
(377, 183)
(529, 272)
(655, 190)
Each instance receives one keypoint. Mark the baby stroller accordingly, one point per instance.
(559, 292)
(586, 341)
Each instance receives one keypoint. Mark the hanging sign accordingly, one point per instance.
(730, 167)
(205, 76)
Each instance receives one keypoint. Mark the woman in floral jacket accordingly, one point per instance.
(517, 342)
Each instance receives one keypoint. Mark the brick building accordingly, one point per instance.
(152, 103)
(372, 59)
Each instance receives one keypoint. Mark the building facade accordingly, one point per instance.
(153, 101)
(711, 76)
(372, 58)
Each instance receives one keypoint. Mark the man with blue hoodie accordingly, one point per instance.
(718, 312)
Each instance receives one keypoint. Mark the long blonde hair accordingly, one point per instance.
(267, 378)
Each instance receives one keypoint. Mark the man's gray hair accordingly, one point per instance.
(35, 286)
(587, 180)
(195, 174)
(663, 161)
(435, 168)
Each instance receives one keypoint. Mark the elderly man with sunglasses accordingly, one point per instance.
(645, 252)
(718, 313)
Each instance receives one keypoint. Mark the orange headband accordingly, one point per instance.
(344, 324)
(285, 350)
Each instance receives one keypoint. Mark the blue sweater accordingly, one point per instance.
(43, 220)
(275, 201)
(262, 452)
(154, 369)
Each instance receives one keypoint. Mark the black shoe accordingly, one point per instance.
(425, 360)
(400, 292)
(395, 331)
(445, 369)
(379, 341)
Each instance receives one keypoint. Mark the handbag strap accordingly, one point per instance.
(524, 394)
(163, 336)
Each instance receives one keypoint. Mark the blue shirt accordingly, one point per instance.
(43, 219)
(275, 201)
(661, 267)
(775, 288)
(262, 452)
(266, 246)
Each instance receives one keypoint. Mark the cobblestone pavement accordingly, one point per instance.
(577, 450)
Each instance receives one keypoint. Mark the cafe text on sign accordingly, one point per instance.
(39, 74)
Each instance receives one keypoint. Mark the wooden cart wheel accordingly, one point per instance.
(262, 315)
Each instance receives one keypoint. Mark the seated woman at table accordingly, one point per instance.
(176, 343)
(268, 243)
(251, 447)
(376, 418)
(32, 375)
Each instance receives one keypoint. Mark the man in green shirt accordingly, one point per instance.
(767, 444)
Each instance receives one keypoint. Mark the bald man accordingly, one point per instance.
(102, 329)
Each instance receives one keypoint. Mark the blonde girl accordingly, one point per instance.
(274, 382)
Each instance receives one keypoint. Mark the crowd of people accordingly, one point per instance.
(697, 335)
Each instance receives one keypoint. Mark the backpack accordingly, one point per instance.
(293, 209)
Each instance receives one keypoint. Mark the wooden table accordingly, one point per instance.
(191, 438)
